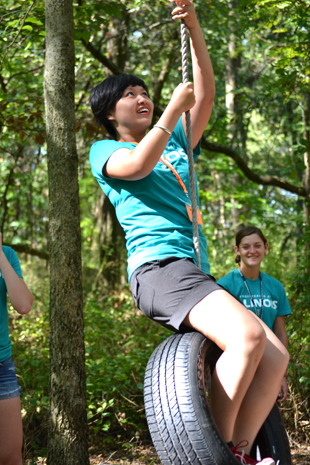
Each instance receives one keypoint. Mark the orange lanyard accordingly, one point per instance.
(174, 171)
(188, 206)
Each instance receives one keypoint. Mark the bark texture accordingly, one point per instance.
(68, 438)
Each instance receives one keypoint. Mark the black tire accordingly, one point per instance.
(272, 439)
(176, 405)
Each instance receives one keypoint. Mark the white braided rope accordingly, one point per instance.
(190, 147)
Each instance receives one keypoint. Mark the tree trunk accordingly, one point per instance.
(307, 170)
(231, 83)
(67, 438)
(307, 157)
(113, 252)
(117, 46)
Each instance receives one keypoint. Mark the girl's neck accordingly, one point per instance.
(125, 136)
(250, 273)
(135, 140)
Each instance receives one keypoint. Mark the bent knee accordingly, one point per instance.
(254, 340)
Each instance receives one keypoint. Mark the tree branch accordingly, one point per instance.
(18, 32)
(251, 175)
(21, 248)
(101, 58)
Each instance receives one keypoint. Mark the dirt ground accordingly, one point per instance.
(146, 455)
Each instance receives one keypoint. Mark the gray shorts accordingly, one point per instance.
(166, 290)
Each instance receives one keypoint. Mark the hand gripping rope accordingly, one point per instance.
(190, 147)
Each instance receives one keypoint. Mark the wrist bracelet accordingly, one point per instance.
(163, 128)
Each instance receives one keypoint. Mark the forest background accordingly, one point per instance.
(254, 169)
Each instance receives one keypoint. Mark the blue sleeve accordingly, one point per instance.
(101, 151)
(13, 260)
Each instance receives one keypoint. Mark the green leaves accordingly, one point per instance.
(116, 356)
(32, 19)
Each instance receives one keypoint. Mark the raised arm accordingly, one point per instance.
(203, 77)
(19, 294)
(138, 163)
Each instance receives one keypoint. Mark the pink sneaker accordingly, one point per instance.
(246, 460)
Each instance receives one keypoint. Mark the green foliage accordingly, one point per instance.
(118, 342)
(298, 328)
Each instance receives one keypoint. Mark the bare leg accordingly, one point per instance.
(11, 432)
(263, 390)
(243, 338)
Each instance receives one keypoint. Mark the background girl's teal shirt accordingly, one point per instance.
(275, 302)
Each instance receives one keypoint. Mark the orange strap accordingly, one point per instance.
(167, 163)
(188, 207)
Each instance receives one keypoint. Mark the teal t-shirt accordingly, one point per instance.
(5, 343)
(152, 210)
(275, 302)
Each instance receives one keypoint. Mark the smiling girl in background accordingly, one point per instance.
(262, 294)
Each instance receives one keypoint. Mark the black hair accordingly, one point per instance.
(248, 231)
(105, 96)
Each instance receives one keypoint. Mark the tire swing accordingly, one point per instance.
(176, 385)
(178, 379)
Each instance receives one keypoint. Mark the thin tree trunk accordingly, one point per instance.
(231, 82)
(67, 437)
(112, 272)
(307, 170)
(117, 46)
(307, 156)
(9, 182)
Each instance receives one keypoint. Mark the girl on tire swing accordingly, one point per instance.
(145, 175)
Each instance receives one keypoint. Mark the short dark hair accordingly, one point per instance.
(248, 231)
(105, 96)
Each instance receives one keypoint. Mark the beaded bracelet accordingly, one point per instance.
(163, 128)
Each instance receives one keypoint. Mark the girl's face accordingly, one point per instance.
(251, 250)
(134, 111)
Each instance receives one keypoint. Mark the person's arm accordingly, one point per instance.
(203, 77)
(280, 332)
(136, 164)
(19, 294)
